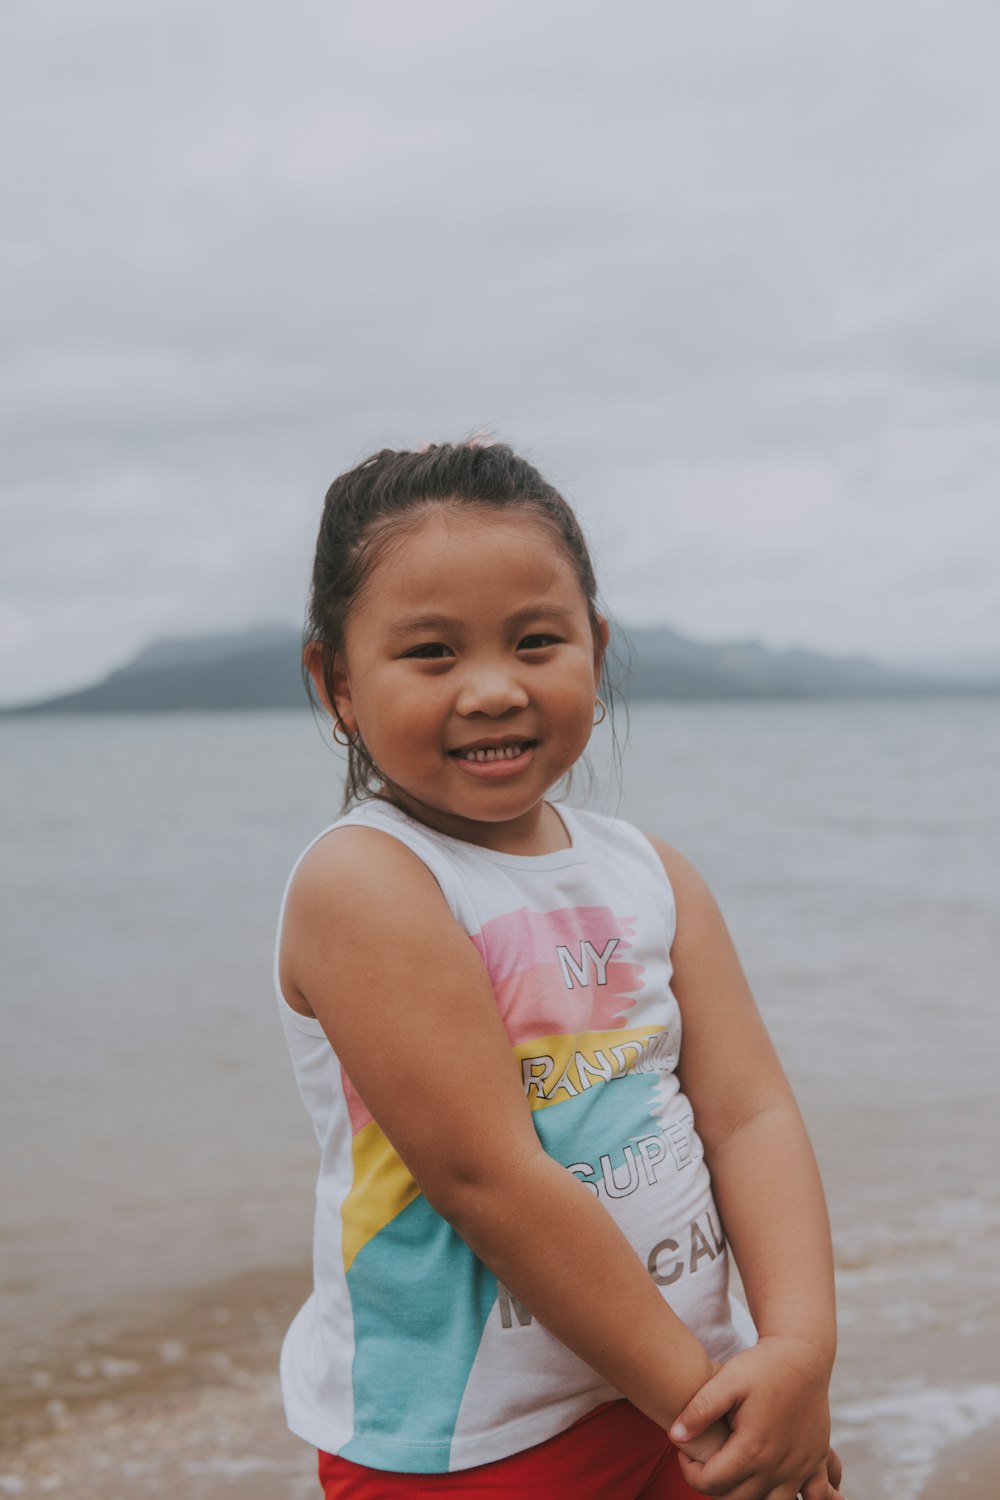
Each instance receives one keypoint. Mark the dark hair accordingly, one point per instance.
(372, 503)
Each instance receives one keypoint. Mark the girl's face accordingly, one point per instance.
(470, 671)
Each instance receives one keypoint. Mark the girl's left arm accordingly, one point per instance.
(770, 1199)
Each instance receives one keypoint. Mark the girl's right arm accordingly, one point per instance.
(370, 948)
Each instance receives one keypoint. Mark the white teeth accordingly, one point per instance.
(495, 752)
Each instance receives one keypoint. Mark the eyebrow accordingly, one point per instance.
(544, 610)
(419, 624)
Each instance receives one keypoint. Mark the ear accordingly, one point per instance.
(601, 640)
(340, 707)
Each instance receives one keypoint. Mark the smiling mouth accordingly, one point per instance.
(482, 754)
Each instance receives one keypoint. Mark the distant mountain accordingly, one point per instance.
(668, 665)
(261, 668)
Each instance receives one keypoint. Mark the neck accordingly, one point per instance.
(540, 831)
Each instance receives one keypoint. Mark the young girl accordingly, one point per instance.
(521, 1277)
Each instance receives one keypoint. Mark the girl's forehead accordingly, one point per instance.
(447, 537)
(467, 521)
(471, 556)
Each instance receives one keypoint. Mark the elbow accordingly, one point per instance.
(480, 1195)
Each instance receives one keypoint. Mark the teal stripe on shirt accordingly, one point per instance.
(421, 1299)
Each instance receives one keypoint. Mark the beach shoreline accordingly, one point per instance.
(968, 1470)
(179, 1394)
(176, 1395)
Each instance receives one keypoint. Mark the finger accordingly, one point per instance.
(746, 1491)
(834, 1468)
(726, 1473)
(706, 1406)
(755, 1487)
(694, 1474)
(816, 1489)
(817, 1486)
(738, 1478)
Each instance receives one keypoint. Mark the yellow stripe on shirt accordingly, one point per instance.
(553, 1069)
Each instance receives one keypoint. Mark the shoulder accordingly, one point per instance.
(353, 864)
(699, 919)
(356, 890)
(681, 873)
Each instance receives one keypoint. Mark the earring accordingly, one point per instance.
(345, 743)
(600, 703)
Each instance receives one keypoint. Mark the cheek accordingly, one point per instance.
(402, 716)
(575, 706)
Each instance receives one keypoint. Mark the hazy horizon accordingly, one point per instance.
(977, 670)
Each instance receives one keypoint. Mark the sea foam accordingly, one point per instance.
(903, 1431)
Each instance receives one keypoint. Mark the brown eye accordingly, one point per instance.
(429, 651)
(537, 642)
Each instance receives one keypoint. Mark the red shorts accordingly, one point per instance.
(615, 1453)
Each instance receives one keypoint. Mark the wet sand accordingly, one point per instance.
(969, 1470)
(179, 1398)
(211, 1445)
(229, 1442)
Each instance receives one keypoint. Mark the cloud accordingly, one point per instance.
(728, 274)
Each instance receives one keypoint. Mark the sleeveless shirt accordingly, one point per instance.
(409, 1355)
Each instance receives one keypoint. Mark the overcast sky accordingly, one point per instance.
(728, 273)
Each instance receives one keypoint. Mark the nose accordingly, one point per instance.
(490, 688)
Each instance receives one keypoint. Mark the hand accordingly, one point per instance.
(824, 1484)
(775, 1398)
(709, 1441)
(826, 1487)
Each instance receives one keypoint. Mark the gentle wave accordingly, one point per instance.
(904, 1431)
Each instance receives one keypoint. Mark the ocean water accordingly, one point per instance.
(153, 1141)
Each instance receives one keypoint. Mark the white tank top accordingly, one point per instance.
(409, 1355)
